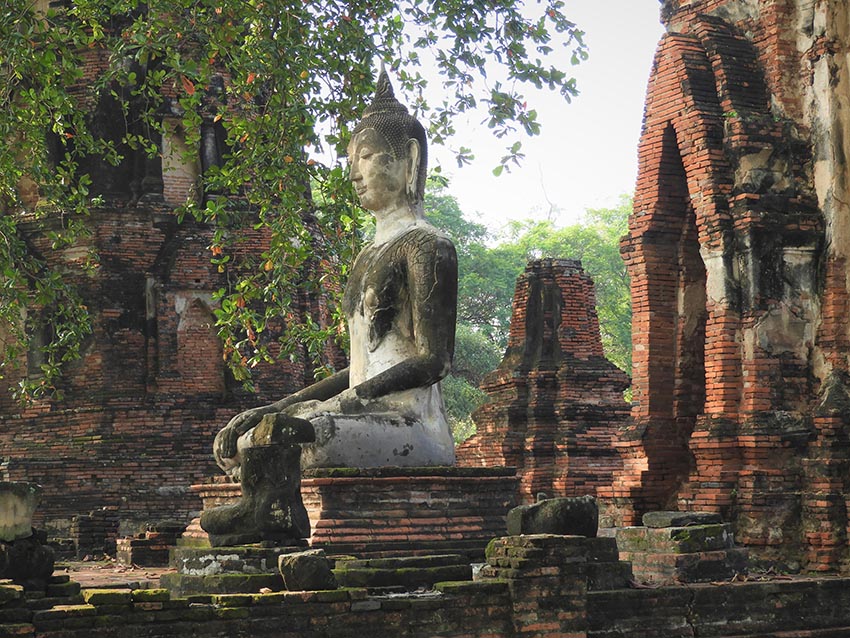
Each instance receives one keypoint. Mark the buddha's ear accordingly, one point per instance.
(412, 167)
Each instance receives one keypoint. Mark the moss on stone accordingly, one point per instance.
(150, 595)
(233, 600)
(231, 613)
(107, 596)
(10, 592)
(489, 586)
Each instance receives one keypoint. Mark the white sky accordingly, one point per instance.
(586, 155)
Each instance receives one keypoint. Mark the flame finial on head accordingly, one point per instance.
(384, 100)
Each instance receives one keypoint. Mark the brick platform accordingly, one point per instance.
(392, 511)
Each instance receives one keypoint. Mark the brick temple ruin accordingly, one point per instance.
(141, 406)
(737, 252)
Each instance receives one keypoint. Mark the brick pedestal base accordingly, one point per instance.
(391, 511)
(689, 554)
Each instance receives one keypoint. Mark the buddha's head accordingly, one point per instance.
(388, 153)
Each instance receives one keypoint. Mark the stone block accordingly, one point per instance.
(18, 501)
(572, 516)
(100, 597)
(245, 559)
(187, 585)
(27, 562)
(407, 578)
(306, 571)
(602, 550)
(613, 575)
(661, 568)
(675, 540)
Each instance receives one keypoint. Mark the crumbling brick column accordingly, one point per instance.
(555, 401)
(737, 252)
(547, 580)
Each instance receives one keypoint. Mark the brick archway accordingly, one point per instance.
(677, 253)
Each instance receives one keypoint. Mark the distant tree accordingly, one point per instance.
(596, 242)
(487, 278)
(283, 81)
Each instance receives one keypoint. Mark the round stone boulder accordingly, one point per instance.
(306, 571)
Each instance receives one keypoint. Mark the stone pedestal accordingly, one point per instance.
(25, 557)
(674, 548)
(387, 511)
(225, 570)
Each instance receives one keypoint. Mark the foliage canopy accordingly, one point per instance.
(284, 80)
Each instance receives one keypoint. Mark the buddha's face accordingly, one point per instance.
(379, 178)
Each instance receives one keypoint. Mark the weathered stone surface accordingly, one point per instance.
(680, 519)
(306, 571)
(693, 567)
(677, 540)
(410, 572)
(18, 501)
(249, 559)
(613, 575)
(188, 585)
(577, 516)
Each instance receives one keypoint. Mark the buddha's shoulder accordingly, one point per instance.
(423, 236)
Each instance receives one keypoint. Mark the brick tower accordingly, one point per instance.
(555, 401)
(737, 253)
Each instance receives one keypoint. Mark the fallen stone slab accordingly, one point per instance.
(307, 571)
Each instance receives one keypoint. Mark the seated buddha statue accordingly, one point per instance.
(386, 408)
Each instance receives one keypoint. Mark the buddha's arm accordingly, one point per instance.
(432, 283)
(321, 390)
(225, 444)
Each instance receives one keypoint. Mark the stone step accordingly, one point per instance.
(402, 562)
(675, 540)
(410, 578)
(688, 568)
(245, 559)
(680, 519)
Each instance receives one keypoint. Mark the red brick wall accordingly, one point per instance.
(738, 296)
(141, 407)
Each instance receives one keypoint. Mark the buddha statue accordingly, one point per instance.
(386, 408)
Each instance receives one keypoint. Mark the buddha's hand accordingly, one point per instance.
(225, 442)
(351, 403)
(224, 446)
